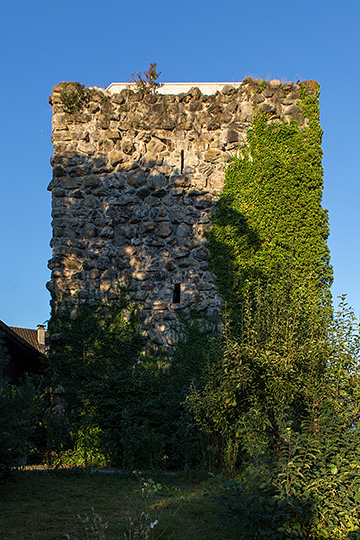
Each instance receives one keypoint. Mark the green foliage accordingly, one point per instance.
(146, 82)
(195, 339)
(55, 436)
(269, 223)
(282, 398)
(143, 525)
(267, 366)
(135, 415)
(73, 97)
(94, 359)
(290, 395)
(93, 344)
(255, 510)
(15, 424)
(116, 382)
(195, 345)
(16, 404)
(4, 355)
(268, 250)
(152, 428)
(86, 452)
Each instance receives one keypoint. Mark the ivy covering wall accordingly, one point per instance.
(269, 223)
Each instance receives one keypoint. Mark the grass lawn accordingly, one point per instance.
(44, 505)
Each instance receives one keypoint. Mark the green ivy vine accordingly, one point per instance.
(269, 224)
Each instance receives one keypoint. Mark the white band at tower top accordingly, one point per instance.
(207, 88)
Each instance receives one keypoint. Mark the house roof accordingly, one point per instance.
(24, 337)
(23, 352)
(27, 334)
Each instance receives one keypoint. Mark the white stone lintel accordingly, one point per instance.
(207, 88)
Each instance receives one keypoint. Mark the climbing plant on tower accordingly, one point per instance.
(270, 224)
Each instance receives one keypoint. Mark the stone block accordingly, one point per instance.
(213, 155)
(128, 147)
(69, 182)
(164, 229)
(137, 178)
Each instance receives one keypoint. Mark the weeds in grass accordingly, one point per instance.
(142, 525)
(146, 521)
(141, 528)
(94, 528)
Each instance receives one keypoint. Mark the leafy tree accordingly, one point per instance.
(16, 404)
(300, 476)
(269, 367)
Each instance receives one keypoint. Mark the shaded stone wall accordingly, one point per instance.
(135, 181)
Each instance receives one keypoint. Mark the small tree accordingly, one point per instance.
(269, 367)
(147, 81)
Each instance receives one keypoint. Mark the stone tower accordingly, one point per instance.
(135, 180)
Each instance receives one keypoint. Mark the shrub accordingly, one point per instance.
(73, 97)
(16, 405)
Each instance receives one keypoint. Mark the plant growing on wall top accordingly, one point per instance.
(147, 81)
(72, 96)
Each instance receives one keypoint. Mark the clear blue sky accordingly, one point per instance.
(96, 43)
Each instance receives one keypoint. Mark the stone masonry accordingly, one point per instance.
(135, 180)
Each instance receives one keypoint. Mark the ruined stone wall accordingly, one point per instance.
(135, 181)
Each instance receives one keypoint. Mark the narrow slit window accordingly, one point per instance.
(182, 161)
(177, 293)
